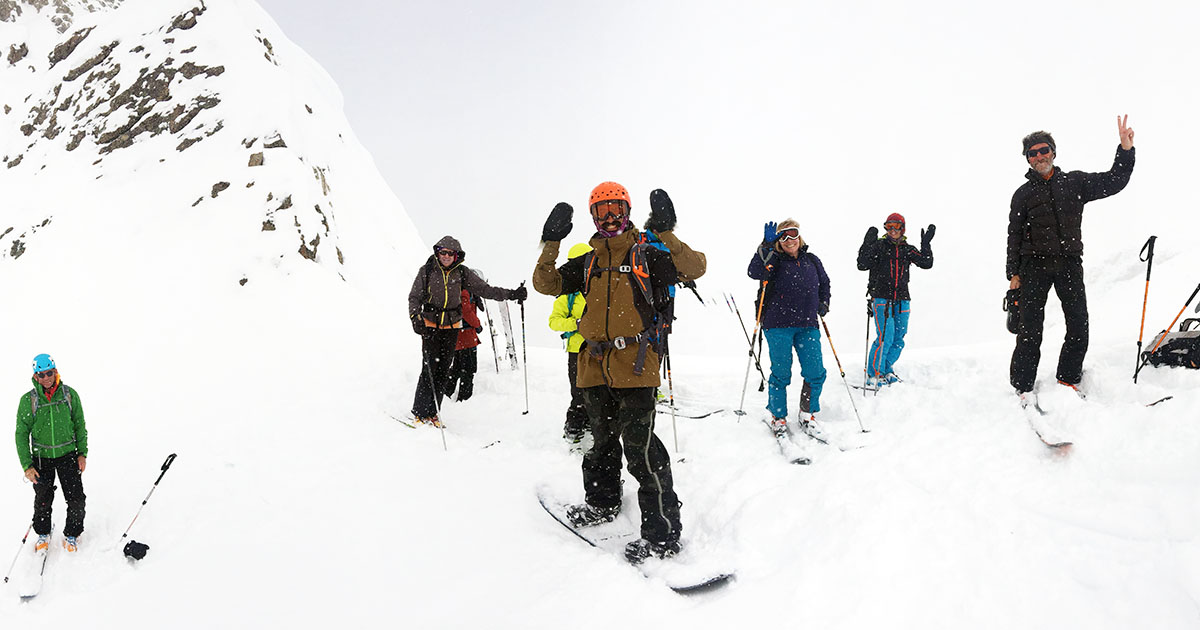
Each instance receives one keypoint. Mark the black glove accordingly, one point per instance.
(927, 235)
(558, 224)
(479, 330)
(419, 326)
(519, 294)
(662, 212)
(823, 309)
(872, 235)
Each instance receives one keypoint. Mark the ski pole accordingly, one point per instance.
(23, 539)
(492, 334)
(437, 405)
(1146, 256)
(749, 340)
(671, 391)
(1163, 336)
(867, 345)
(165, 466)
(849, 394)
(758, 319)
(524, 356)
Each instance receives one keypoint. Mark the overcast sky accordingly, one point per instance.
(483, 115)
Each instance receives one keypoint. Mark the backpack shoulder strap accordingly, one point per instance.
(589, 264)
(571, 302)
(33, 402)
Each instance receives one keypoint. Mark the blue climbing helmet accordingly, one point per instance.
(43, 362)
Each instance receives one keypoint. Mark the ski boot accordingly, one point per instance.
(585, 515)
(637, 551)
(813, 428)
(1027, 399)
(71, 544)
(779, 426)
(1074, 388)
(432, 421)
(43, 542)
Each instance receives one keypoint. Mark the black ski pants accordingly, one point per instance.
(437, 354)
(1038, 274)
(462, 373)
(577, 415)
(67, 469)
(623, 419)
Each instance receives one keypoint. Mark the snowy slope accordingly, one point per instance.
(297, 500)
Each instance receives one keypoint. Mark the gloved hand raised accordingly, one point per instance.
(871, 236)
(558, 224)
(519, 294)
(662, 212)
(770, 235)
(927, 235)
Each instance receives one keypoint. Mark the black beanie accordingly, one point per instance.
(1037, 137)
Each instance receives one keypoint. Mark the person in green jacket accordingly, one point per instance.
(568, 308)
(52, 439)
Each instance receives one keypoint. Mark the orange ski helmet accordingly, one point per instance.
(609, 191)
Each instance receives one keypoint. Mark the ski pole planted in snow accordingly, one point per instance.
(1146, 256)
(14, 562)
(437, 406)
(135, 549)
(843, 373)
(524, 356)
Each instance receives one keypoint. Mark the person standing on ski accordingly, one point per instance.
(626, 285)
(793, 296)
(564, 317)
(466, 357)
(52, 440)
(435, 308)
(1045, 249)
(888, 259)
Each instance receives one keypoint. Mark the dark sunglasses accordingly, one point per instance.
(1037, 152)
(443, 252)
(44, 374)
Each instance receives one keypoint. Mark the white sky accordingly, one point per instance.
(483, 115)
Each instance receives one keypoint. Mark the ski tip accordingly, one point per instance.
(705, 586)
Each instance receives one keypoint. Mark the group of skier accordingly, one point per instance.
(614, 309)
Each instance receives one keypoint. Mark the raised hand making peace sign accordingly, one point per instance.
(1125, 132)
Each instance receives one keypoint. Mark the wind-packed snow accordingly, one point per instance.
(298, 499)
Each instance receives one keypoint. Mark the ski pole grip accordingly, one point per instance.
(1193, 295)
(1147, 252)
(165, 466)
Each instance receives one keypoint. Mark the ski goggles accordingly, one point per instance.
(1032, 153)
(605, 211)
(894, 226)
(789, 234)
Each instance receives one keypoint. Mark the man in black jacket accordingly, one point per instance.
(1045, 248)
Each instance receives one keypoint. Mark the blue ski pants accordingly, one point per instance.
(891, 324)
(807, 343)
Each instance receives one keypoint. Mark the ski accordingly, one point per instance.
(666, 407)
(787, 447)
(32, 585)
(1163, 399)
(826, 441)
(411, 426)
(683, 573)
(1043, 432)
(509, 341)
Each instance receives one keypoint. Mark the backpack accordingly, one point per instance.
(33, 400)
(1180, 348)
(656, 322)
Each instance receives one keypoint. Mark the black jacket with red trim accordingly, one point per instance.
(888, 261)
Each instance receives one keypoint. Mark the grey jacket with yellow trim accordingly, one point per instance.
(57, 429)
(436, 293)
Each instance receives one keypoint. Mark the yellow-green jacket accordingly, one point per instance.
(566, 321)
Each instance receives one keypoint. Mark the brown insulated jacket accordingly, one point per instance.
(611, 311)
(436, 293)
